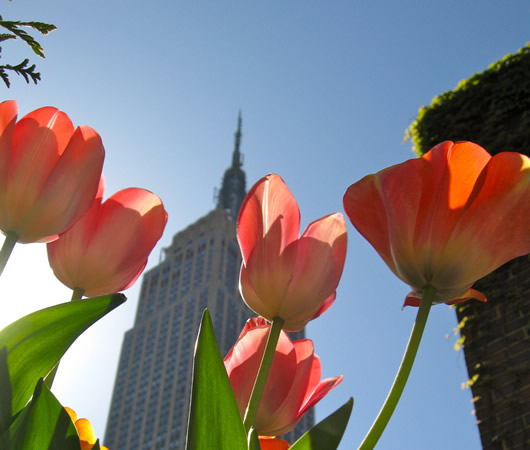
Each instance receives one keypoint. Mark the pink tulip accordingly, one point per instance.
(446, 219)
(284, 275)
(49, 172)
(107, 250)
(293, 385)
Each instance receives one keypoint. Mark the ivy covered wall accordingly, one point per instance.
(492, 109)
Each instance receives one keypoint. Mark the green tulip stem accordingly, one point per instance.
(263, 372)
(402, 375)
(77, 294)
(9, 243)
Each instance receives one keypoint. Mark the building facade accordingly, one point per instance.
(200, 269)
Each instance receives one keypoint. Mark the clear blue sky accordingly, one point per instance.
(327, 90)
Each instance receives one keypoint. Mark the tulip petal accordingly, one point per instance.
(364, 205)
(39, 140)
(8, 117)
(107, 249)
(268, 443)
(413, 299)
(286, 415)
(242, 364)
(494, 227)
(69, 190)
(321, 252)
(140, 218)
(85, 431)
(446, 219)
(278, 385)
(448, 173)
(269, 269)
(320, 392)
(66, 254)
(252, 300)
(293, 380)
(71, 413)
(326, 304)
(269, 207)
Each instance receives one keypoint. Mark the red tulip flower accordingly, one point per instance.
(107, 250)
(284, 275)
(293, 385)
(49, 172)
(446, 219)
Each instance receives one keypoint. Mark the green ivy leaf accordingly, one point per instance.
(43, 423)
(214, 421)
(326, 435)
(33, 345)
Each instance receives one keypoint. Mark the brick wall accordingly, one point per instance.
(497, 349)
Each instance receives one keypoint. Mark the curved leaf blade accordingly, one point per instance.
(43, 423)
(214, 420)
(35, 343)
(327, 434)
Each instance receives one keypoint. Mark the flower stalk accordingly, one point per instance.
(77, 294)
(9, 243)
(403, 373)
(263, 372)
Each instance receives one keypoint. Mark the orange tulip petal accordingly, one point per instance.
(8, 117)
(267, 443)
(446, 219)
(71, 413)
(494, 227)
(364, 205)
(85, 431)
(414, 299)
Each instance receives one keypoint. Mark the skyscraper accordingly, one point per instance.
(200, 269)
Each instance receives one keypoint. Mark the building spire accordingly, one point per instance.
(233, 186)
(236, 156)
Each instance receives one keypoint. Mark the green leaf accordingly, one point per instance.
(327, 434)
(34, 344)
(5, 392)
(253, 440)
(43, 423)
(15, 28)
(214, 421)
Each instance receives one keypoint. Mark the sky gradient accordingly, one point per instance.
(327, 90)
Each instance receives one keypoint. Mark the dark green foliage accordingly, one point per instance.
(16, 31)
(491, 108)
(19, 69)
(327, 434)
(31, 346)
(43, 423)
